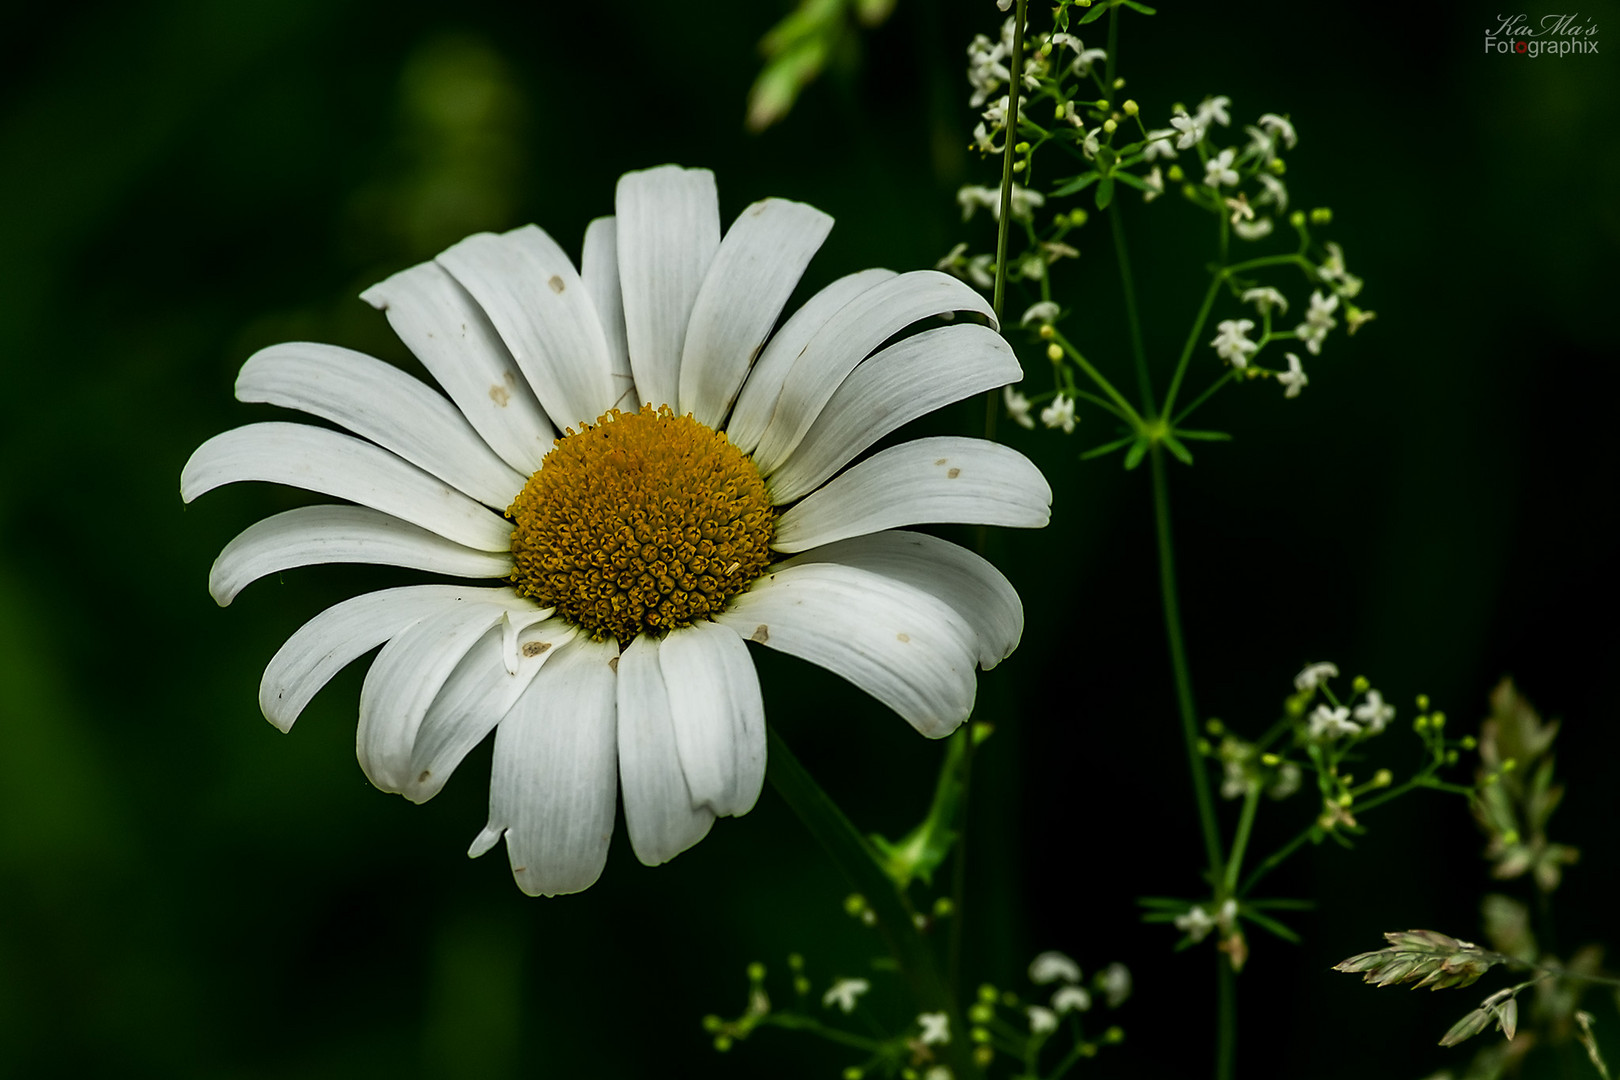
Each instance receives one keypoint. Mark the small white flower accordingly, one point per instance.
(844, 994)
(1060, 414)
(1115, 983)
(1253, 230)
(1071, 999)
(1214, 108)
(1241, 210)
(1042, 1021)
(986, 72)
(1332, 271)
(1329, 723)
(1294, 379)
(936, 1028)
(1017, 407)
(984, 141)
(1287, 782)
(1024, 201)
(1084, 57)
(1004, 5)
(1227, 915)
(1191, 130)
(1312, 676)
(1232, 343)
(939, 1072)
(1041, 311)
(1052, 966)
(1155, 185)
(1318, 321)
(1195, 922)
(1159, 144)
(981, 271)
(1279, 126)
(1218, 169)
(1265, 299)
(1275, 192)
(1375, 712)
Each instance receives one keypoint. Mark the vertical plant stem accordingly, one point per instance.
(1014, 87)
(895, 917)
(1240, 840)
(1226, 1040)
(1193, 335)
(1143, 382)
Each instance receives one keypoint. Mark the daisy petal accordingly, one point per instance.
(383, 404)
(902, 646)
(341, 534)
(756, 267)
(599, 268)
(971, 587)
(669, 228)
(849, 337)
(909, 379)
(447, 330)
(344, 632)
(554, 783)
(332, 463)
(942, 479)
(534, 296)
(663, 818)
(718, 715)
(479, 692)
(757, 400)
(403, 681)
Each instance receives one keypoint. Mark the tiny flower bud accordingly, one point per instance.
(1115, 1034)
(1297, 220)
(1109, 126)
(1130, 107)
(756, 972)
(1119, 82)
(1321, 215)
(1421, 724)
(1018, 166)
(795, 961)
(1438, 720)
(1046, 49)
(1451, 757)
(1022, 147)
(1054, 352)
(1360, 684)
(1278, 166)
(1271, 761)
(1510, 837)
(722, 1043)
(854, 904)
(1469, 742)
(1423, 702)
(1214, 726)
(1047, 330)
(1078, 217)
(979, 1035)
(711, 1023)
(981, 1013)
(987, 992)
(943, 908)
(1383, 778)
(1509, 765)
(1103, 105)
(1174, 174)
(983, 1055)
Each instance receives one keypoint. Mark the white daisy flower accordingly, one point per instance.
(700, 496)
(1294, 378)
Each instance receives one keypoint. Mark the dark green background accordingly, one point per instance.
(186, 892)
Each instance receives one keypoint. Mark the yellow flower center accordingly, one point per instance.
(640, 523)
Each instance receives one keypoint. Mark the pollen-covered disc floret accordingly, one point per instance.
(642, 522)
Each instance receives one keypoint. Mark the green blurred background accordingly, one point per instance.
(186, 892)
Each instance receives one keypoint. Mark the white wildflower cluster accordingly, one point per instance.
(1318, 321)
(1244, 768)
(1024, 202)
(1232, 343)
(1333, 720)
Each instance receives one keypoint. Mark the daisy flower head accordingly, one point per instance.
(630, 476)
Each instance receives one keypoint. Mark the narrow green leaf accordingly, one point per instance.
(1105, 192)
(1266, 922)
(1078, 184)
(1170, 902)
(1282, 904)
(1134, 456)
(1206, 436)
(1183, 455)
(1130, 181)
(1093, 15)
(1135, 5)
(1106, 448)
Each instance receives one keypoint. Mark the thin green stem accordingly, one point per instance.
(1016, 70)
(861, 866)
(1193, 336)
(1132, 318)
(796, 1022)
(1229, 376)
(958, 759)
(1125, 407)
(1240, 841)
(1226, 1040)
(1275, 859)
